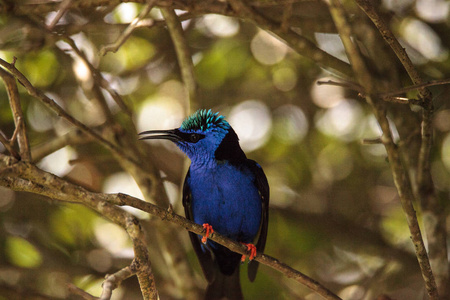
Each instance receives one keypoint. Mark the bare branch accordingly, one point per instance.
(113, 281)
(345, 84)
(73, 289)
(183, 55)
(375, 141)
(62, 10)
(299, 43)
(129, 30)
(435, 220)
(23, 176)
(400, 175)
(73, 137)
(14, 102)
(4, 140)
(415, 87)
(60, 111)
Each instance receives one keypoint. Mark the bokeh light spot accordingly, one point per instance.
(284, 78)
(159, 113)
(341, 121)
(252, 122)
(220, 26)
(327, 96)
(424, 39)
(267, 49)
(446, 152)
(124, 183)
(58, 162)
(290, 124)
(22, 253)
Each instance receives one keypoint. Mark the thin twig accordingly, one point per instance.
(100, 81)
(400, 175)
(64, 6)
(374, 141)
(4, 140)
(388, 97)
(129, 30)
(73, 289)
(415, 87)
(73, 137)
(345, 84)
(14, 102)
(114, 280)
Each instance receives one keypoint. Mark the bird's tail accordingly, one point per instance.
(225, 287)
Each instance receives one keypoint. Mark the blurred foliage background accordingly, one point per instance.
(334, 211)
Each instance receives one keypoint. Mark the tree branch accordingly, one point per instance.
(183, 55)
(59, 110)
(400, 175)
(299, 43)
(434, 217)
(23, 176)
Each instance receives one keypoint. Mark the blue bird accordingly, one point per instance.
(225, 192)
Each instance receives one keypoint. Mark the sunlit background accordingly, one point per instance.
(335, 214)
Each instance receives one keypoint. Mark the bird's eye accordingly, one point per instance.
(194, 137)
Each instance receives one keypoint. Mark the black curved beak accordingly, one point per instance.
(172, 135)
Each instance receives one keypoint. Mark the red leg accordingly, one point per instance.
(250, 248)
(209, 230)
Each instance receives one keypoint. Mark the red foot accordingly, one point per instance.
(209, 230)
(250, 248)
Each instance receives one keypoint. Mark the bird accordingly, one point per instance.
(223, 191)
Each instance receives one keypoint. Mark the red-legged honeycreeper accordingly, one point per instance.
(223, 191)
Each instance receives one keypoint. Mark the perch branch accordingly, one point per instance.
(401, 180)
(23, 176)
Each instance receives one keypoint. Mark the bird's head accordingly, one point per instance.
(204, 137)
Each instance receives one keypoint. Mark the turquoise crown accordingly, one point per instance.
(204, 120)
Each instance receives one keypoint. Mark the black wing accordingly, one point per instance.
(205, 257)
(263, 189)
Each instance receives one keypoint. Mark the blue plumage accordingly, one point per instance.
(225, 190)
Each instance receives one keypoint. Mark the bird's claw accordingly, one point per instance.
(252, 250)
(209, 230)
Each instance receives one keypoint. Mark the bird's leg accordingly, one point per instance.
(209, 230)
(250, 248)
